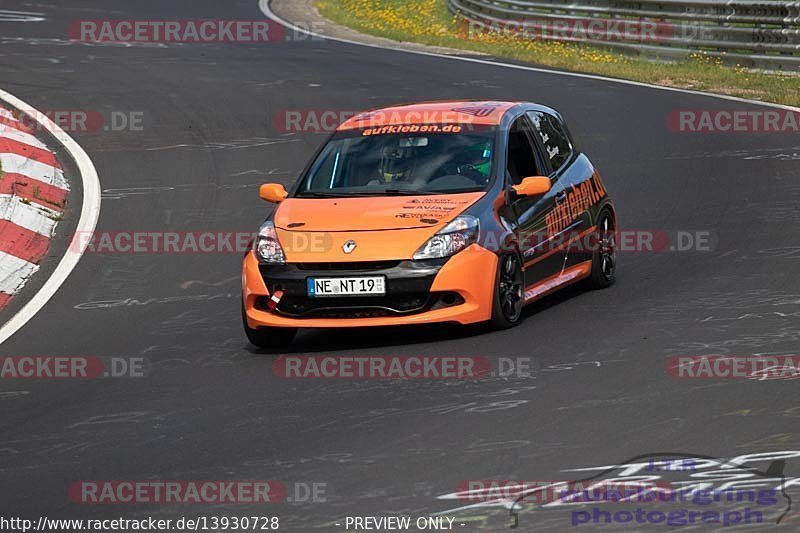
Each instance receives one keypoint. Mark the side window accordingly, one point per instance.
(521, 155)
(554, 139)
(325, 171)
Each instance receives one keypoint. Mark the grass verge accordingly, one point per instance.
(429, 22)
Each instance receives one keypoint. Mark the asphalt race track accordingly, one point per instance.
(210, 406)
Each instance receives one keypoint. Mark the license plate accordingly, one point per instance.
(321, 287)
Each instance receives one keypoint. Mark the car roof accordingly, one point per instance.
(446, 112)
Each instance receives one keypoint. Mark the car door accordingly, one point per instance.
(570, 221)
(523, 160)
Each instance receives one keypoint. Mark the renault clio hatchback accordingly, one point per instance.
(458, 212)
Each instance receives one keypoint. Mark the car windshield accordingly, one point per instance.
(399, 160)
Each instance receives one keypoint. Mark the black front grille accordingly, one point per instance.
(351, 313)
(400, 303)
(297, 306)
(364, 265)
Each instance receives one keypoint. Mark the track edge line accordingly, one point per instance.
(90, 212)
(266, 9)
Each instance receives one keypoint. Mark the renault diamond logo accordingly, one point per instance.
(349, 246)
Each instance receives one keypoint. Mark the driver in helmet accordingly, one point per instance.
(479, 157)
(397, 163)
(474, 161)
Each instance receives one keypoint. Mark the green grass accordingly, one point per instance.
(429, 22)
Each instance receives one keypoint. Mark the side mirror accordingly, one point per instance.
(533, 186)
(273, 192)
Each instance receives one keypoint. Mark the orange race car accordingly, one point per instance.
(456, 212)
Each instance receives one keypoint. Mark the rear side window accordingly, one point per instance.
(554, 139)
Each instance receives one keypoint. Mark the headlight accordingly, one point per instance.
(266, 245)
(451, 239)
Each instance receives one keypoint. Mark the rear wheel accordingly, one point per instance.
(268, 337)
(604, 257)
(508, 292)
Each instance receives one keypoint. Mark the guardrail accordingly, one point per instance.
(754, 34)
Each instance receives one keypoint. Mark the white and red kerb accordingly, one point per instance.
(33, 192)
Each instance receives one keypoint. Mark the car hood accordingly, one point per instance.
(371, 213)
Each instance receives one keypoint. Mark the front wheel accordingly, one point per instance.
(268, 337)
(508, 292)
(604, 256)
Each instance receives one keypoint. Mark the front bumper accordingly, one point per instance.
(459, 289)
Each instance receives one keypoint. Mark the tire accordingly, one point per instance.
(604, 256)
(509, 290)
(268, 337)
